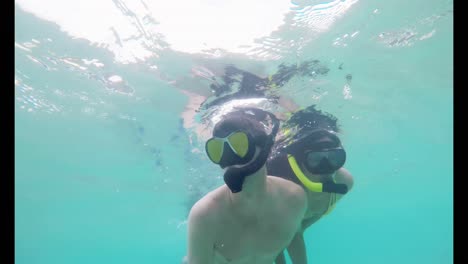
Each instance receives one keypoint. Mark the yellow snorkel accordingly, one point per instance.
(315, 186)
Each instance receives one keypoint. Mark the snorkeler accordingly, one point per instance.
(311, 155)
(239, 221)
(232, 87)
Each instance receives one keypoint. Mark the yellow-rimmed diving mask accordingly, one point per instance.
(238, 141)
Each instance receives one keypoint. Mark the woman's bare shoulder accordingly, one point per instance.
(344, 176)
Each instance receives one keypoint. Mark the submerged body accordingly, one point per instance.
(313, 158)
(253, 216)
(321, 204)
(239, 228)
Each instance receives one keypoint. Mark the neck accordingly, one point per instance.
(253, 192)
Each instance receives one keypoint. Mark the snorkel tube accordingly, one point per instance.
(330, 187)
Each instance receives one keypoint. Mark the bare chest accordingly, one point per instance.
(255, 239)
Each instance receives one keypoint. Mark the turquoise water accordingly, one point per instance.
(102, 176)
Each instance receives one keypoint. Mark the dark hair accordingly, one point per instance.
(312, 119)
(249, 119)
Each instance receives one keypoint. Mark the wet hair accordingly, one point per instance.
(311, 118)
(241, 120)
(300, 125)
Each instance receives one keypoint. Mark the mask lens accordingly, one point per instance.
(335, 157)
(214, 149)
(239, 143)
(314, 158)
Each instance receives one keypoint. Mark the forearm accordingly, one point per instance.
(288, 103)
(297, 250)
(280, 259)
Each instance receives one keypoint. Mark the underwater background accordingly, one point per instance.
(106, 171)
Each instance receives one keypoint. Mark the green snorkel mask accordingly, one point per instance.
(320, 151)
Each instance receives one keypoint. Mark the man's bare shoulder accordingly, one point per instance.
(209, 206)
(285, 185)
(289, 191)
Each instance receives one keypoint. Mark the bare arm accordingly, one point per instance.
(288, 104)
(297, 250)
(280, 259)
(200, 235)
